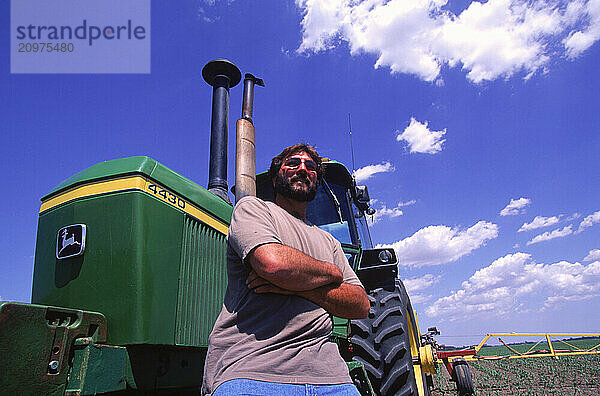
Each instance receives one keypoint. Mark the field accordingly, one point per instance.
(568, 375)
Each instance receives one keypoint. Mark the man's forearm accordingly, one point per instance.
(291, 269)
(344, 300)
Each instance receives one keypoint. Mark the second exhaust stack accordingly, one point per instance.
(245, 162)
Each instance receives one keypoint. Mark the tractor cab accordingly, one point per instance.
(341, 208)
(333, 209)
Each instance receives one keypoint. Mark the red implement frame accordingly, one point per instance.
(444, 355)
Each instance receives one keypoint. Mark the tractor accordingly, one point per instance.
(130, 275)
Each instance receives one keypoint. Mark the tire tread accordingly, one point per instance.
(381, 342)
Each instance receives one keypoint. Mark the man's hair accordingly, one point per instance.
(296, 148)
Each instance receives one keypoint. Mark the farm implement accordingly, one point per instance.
(548, 345)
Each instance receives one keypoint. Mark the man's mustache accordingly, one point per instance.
(303, 178)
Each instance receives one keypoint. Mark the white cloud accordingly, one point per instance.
(539, 222)
(515, 207)
(593, 255)
(419, 298)
(320, 23)
(368, 171)
(202, 14)
(420, 139)
(489, 40)
(384, 212)
(589, 221)
(435, 245)
(579, 41)
(546, 236)
(510, 284)
(417, 284)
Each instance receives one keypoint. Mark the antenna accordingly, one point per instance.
(351, 146)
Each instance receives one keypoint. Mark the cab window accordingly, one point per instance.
(324, 212)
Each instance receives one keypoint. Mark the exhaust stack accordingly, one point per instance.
(221, 74)
(245, 162)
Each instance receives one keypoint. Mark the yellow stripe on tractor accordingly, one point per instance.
(140, 183)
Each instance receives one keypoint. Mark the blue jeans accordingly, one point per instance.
(248, 387)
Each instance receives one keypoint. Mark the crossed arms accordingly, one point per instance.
(282, 269)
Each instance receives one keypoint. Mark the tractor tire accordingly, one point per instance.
(461, 374)
(381, 342)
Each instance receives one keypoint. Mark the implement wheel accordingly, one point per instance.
(461, 374)
(381, 342)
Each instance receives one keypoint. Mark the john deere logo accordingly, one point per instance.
(70, 241)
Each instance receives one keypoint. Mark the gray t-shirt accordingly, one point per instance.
(273, 337)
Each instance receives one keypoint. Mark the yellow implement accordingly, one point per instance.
(545, 347)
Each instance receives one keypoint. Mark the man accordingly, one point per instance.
(286, 277)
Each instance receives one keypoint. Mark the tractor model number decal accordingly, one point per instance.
(166, 195)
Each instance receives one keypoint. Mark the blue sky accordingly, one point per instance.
(475, 127)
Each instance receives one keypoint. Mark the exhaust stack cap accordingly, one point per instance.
(221, 67)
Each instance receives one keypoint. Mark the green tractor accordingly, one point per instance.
(130, 275)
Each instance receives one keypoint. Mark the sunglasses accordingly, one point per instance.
(295, 162)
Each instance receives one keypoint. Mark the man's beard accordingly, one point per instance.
(285, 188)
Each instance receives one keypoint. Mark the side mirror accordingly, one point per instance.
(433, 331)
(362, 194)
(362, 199)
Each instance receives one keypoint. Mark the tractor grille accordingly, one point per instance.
(202, 283)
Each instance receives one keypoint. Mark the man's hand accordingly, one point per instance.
(291, 269)
(260, 285)
(343, 300)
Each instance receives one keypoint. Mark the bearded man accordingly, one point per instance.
(286, 278)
